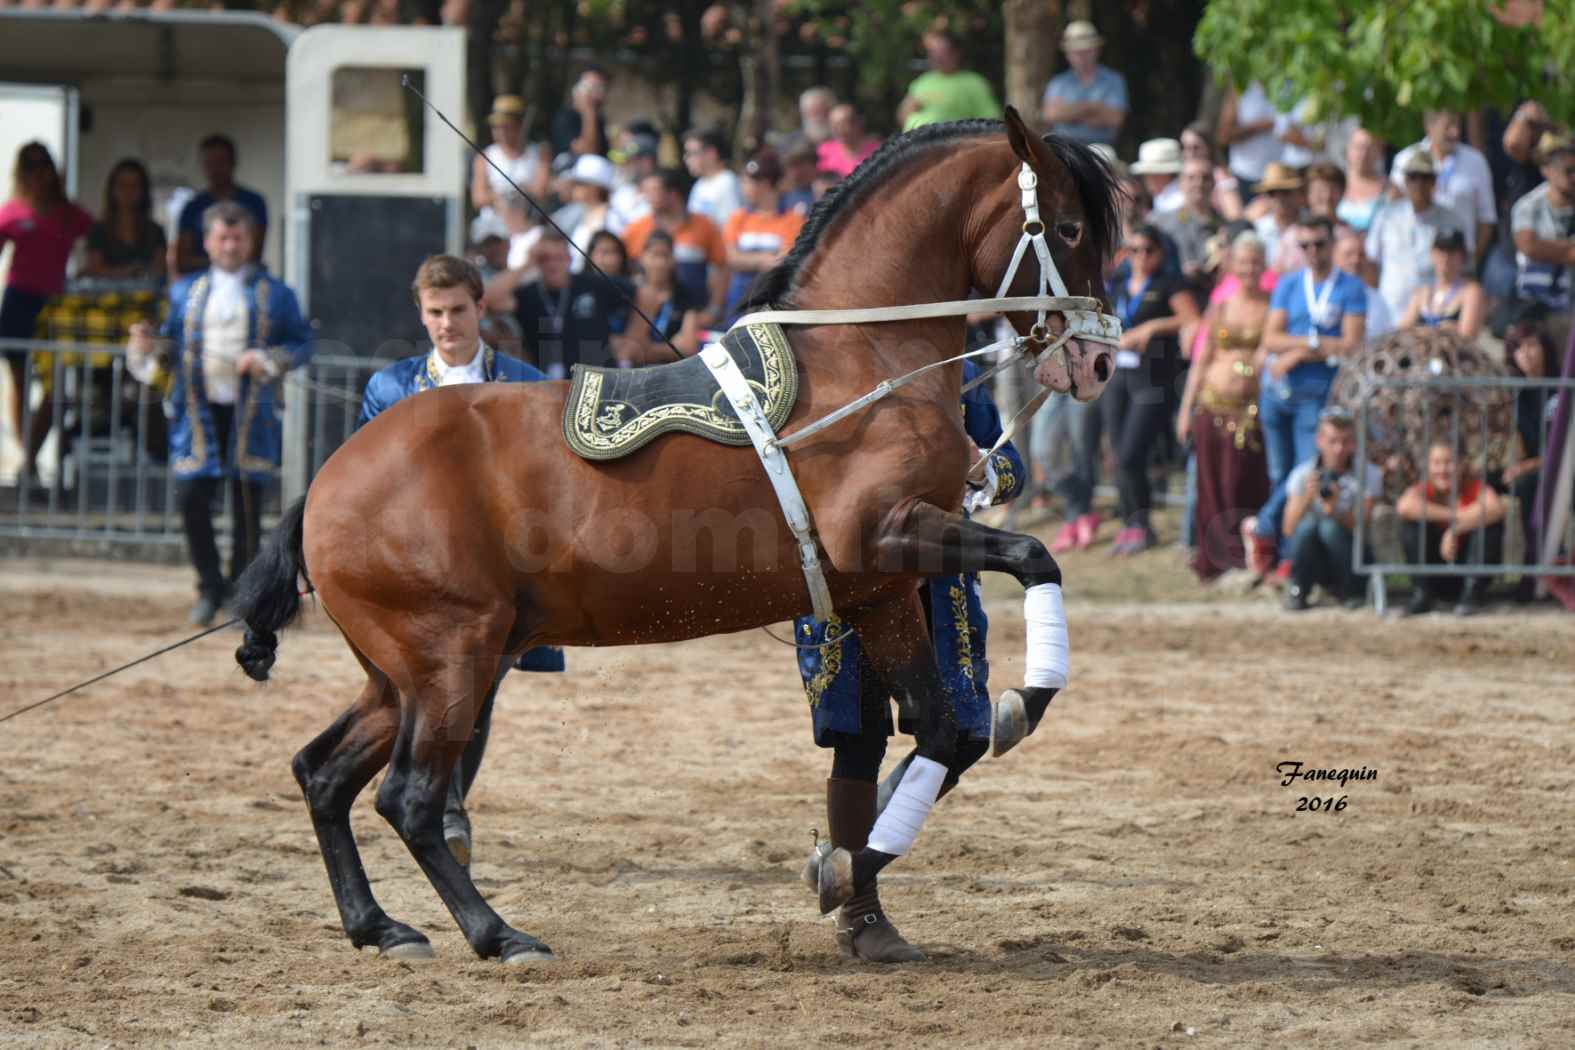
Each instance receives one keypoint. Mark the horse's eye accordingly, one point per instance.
(1069, 231)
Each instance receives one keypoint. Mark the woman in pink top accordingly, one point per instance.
(848, 146)
(43, 225)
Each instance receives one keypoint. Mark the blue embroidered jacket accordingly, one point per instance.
(274, 325)
(957, 621)
(412, 375)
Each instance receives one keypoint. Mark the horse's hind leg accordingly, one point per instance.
(436, 725)
(332, 770)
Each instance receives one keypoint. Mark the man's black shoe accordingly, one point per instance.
(1421, 602)
(1296, 598)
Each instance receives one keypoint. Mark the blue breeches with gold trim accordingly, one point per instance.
(838, 678)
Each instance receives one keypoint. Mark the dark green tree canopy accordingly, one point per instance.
(1388, 62)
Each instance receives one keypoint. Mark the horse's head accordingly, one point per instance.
(1058, 252)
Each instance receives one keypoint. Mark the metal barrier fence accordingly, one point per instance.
(103, 482)
(1482, 420)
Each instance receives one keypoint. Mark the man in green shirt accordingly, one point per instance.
(947, 91)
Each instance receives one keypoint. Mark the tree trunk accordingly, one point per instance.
(762, 75)
(1031, 29)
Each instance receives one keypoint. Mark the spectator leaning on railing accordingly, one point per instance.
(126, 243)
(1453, 516)
(232, 332)
(42, 224)
(1529, 354)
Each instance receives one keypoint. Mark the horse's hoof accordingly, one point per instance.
(811, 872)
(456, 836)
(409, 951)
(835, 880)
(1008, 723)
(530, 956)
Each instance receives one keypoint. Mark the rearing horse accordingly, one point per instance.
(457, 529)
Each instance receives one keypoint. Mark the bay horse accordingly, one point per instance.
(457, 529)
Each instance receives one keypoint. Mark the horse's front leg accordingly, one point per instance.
(920, 537)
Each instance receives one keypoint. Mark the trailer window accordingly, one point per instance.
(377, 127)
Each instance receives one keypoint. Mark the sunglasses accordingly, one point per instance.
(1143, 249)
(1313, 246)
(1417, 176)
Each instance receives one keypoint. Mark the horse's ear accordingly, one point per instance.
(1018, 134)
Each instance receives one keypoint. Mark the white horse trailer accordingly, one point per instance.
(360, 180)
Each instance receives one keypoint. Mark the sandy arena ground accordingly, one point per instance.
(1133, 876)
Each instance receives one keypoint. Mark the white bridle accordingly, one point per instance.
(1084, 321)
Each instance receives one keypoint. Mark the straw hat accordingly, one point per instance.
(1080, 36)
(506, 108)
(1158, 157)
(1420, 162)
(1551, 144)
(1279, 176)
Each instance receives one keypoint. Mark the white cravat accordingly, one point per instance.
(224, 330)
(471, 371)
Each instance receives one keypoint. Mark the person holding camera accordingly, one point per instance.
(1322, 499)
(581, 126)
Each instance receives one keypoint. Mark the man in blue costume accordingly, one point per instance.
(448, 291)
(232, 331)
(851, 709)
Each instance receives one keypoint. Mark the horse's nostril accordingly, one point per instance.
(1102, 368)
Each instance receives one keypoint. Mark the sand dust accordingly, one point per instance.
(1133, 876)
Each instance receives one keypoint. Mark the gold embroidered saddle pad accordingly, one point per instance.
(614, 411)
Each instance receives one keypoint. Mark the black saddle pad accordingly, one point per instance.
(614, 411)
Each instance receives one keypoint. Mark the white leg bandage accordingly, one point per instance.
(1047, 644)
(904, 815)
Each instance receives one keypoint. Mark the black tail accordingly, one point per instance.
(266, 596)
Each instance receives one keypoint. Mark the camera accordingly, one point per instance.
(1328, 484)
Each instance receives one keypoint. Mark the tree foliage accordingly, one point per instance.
(1388, 61)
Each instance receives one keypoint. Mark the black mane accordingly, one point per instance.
(1093, 178)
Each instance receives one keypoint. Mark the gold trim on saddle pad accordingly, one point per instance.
(611, 412)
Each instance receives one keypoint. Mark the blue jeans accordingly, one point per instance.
(1069, 426)
(1189, 508)
(1290, 430)
(1320, 553)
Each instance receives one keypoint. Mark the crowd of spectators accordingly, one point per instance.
(1243, 281)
